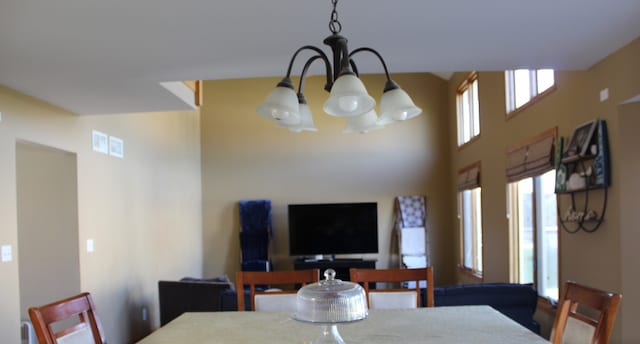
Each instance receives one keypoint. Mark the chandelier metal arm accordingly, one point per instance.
(327, 86)
(390, 85)
(354, 67)
(373, 51)
(321, 55)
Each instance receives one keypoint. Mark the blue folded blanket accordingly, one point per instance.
(255, 216)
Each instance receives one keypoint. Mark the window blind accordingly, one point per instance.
(531, 159)
(469, 178)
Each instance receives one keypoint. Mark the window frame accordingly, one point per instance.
(536, 222)
(469, 86)
(534, 95)
(477, 247)
(534, 171)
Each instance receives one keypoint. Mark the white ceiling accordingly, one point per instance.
(94, 57)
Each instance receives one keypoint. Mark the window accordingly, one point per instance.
(534, 233)
(468, 109)
(469, 215)
(531, 211)
(524, 85)
(470, 219)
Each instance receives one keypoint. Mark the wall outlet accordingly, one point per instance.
(0, 116)
(90, 247)
(7, 254)
(604, 94)
(145, 314)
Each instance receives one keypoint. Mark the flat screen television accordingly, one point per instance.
(333, 228)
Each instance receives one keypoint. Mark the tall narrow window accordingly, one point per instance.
(468, 109)
(532, 214)
(524, 86)
(470, 219)
(535, 233)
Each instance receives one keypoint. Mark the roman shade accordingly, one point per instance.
(531, 159)
(469, 177)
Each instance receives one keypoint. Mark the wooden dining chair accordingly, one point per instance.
(575, 321)
(395, 297)
(273, 299)
(72, 320)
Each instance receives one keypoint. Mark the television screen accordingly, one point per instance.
(335, 228)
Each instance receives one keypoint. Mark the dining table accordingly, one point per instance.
(441, 325)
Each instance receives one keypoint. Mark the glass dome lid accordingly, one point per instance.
(331, 301)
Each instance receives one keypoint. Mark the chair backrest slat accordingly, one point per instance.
(80, 306)
(367, 276)
(271, 278)
(598, 301)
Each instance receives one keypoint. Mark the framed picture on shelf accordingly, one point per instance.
(561, 169)
(579, 142)
(561, 178)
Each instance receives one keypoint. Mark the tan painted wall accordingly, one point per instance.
(47, 201)
(144, 212)
(246, 157)
(593, 259)
(629, 221)
(620, 72)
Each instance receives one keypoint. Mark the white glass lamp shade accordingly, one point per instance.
(282, 106)
(306, 121)
(396, 106)
(363, 123)
(348, 98)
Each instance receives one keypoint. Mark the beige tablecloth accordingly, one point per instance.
(464, 325)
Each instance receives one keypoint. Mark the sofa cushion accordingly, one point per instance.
(218, 279)
(517, 301)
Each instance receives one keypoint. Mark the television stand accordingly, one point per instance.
(351, 259)
(340, 265)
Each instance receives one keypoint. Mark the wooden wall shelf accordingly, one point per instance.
(593, 168)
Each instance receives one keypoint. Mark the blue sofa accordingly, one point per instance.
(517, 301)
(229, 301)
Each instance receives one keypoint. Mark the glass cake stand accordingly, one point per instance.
(329, 303)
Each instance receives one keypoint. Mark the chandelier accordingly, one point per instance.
(348, 96)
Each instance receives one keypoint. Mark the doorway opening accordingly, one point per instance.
(47, 202)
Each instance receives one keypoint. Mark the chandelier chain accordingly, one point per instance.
(334, 24)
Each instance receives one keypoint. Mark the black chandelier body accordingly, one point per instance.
(348, 97)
